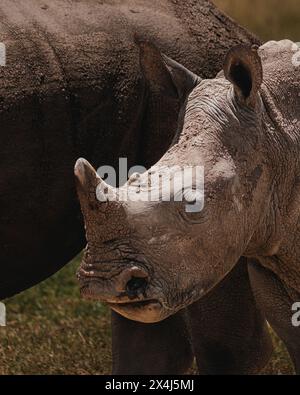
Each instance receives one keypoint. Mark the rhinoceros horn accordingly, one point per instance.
(89, 183)
(104, 221)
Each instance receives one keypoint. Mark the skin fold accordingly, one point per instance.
(157, 258)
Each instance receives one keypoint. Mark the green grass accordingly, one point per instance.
(51, 330)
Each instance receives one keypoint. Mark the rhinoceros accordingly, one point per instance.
(72, 87)
(149, 259)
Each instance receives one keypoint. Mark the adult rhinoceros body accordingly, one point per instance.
(72, 87)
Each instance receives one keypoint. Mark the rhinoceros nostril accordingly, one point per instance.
(136, 286)
(132, 280)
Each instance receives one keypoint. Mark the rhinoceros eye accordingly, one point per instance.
(194, 200)
(192, 208)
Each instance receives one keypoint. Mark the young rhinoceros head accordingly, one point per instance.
(148, 257)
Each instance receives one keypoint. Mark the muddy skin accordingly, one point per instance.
(237, 126)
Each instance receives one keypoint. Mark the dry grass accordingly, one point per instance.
(270, 19)
(51, 330)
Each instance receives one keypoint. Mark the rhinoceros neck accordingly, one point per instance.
(280, 232)
(281, 87)
(281, 125)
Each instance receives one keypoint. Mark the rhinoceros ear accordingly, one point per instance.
(163, 74)
(243, 68)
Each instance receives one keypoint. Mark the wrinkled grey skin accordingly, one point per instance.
(243, 127)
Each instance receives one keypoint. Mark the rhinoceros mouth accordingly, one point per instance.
(146, 311)
(134, 305)
(143, 308)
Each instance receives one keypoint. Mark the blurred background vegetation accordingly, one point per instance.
(51, 330)
(269, 19)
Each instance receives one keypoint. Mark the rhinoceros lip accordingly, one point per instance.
(146, 311)
(120, 301)
(139, 304)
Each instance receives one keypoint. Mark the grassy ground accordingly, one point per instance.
(50, 329)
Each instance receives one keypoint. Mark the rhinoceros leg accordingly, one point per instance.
(229, 334)
(276, 301)
(162, 348)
